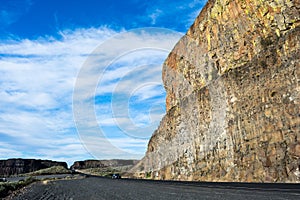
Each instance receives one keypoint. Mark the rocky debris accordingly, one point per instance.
(20, 166)
(102, 163)
(233, 97)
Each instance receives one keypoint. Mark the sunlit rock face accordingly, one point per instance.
(233, 97)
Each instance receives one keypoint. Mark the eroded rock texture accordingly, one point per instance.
(21, 166)
(233, 97)
(102, 163)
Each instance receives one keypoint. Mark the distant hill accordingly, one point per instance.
(17, 166)
(86, 164)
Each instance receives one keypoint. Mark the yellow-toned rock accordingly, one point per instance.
(232, 97)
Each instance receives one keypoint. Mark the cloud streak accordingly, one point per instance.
(38, 79)
(183, 12)
(138, 54)
(12, 11)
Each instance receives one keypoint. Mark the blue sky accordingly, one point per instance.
(82, 79)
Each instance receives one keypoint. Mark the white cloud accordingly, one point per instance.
(8, 149)
(120, 67)
(192, 16)
(183, 13)
(37, 82)
(11, 12)
(155, 15)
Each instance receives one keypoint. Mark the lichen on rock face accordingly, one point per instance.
(233, 97)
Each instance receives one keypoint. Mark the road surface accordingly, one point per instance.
(104, 188)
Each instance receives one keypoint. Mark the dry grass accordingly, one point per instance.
(7, 188)
(50, 170)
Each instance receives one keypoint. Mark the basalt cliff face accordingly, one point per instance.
(233, 97)
(21, 166)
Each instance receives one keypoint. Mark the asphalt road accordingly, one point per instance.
(103, 188)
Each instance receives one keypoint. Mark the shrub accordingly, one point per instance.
(8, 188)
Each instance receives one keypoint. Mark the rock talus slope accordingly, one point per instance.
(233, 97)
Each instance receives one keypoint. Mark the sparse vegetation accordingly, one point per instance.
(149, 174)
(106, 171)
(50, 170)
(7, 187)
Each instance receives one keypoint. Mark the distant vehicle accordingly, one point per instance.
(116, 176)
(3, 180)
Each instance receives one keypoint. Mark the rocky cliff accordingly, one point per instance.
(102, 163)
(21, 166)
(233, 97)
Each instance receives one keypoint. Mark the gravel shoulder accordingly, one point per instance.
(105, 188)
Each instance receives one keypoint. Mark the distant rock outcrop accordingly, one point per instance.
(233, 97)
(102, 163)
(20, 166)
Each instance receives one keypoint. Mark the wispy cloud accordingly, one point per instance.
(37, 81)
(192, 16)
(38, 78)
(155, 15)
(117, 73)
(8, 149)
(181, 12)
(13, 10)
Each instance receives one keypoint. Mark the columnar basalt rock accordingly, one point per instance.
(233, 97)
(21, 166)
